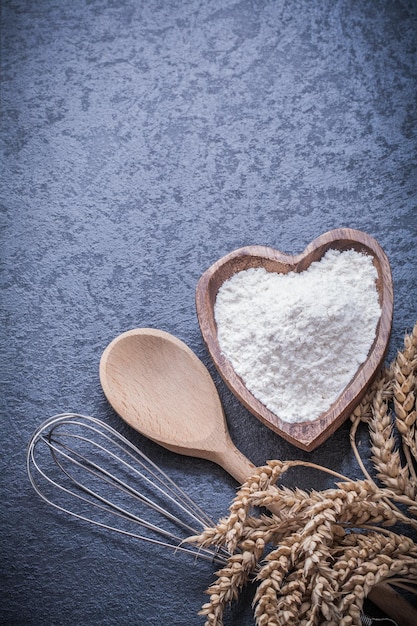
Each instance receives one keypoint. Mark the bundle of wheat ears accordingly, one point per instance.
(320, 553)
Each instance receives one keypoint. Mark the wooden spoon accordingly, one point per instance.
(162, 389)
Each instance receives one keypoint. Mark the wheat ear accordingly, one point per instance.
(405, 398)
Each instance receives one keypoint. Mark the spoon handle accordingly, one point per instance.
(235, 463)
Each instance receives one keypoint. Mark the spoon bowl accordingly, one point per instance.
(160, 388)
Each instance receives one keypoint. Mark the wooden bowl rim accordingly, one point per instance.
(304, 435)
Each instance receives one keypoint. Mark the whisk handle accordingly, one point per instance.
(393, 605)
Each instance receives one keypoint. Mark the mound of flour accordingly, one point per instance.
(297, 339)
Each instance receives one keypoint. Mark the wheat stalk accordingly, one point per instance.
(330, 548)
(231, 579)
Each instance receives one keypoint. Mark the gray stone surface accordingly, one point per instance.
(142, 141)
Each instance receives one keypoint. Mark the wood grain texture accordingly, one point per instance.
(161, 389)
(393, 604)
(306, 435)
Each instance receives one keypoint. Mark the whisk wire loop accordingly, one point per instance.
(161, 478)
(88, 460)
(139, 457)
(110, 479)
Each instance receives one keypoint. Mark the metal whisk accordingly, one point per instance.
(85, 468)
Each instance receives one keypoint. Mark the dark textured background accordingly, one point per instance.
(141, 141)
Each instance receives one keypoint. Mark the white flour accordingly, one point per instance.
(297, 339)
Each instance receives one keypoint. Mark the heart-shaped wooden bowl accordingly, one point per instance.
(305, 435)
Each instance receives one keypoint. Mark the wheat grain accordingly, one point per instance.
(405, 399)
(330, 548)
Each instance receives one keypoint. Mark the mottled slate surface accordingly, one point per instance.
(141, 141)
